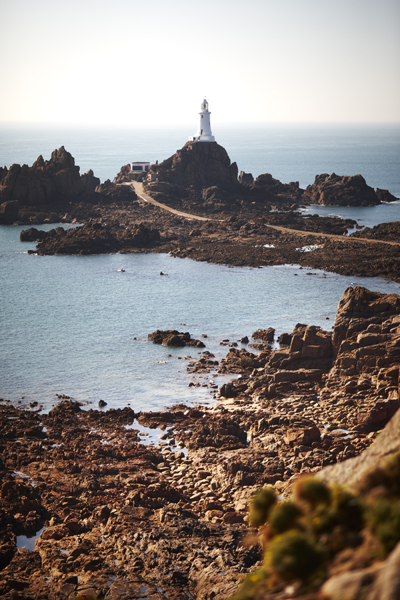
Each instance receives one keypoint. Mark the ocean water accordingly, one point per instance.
(77, 325)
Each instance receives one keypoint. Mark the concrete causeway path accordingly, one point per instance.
(340, 238)
(138, 187)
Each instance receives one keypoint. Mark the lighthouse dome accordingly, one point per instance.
(204, 105)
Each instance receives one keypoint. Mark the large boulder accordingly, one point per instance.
(88, 239)
(114, 192)
(201, 165)
(340, 190)
(310, 348)
(173, 338)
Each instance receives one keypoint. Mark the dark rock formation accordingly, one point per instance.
(266, 335)
(89, 181)
(116, 193)
(198, 164)
(46, 182)
(383, 231)
(8, 212)
(92, 239)
(385, 196)
(246, 178)
(172, 337)
(285, 195)
(338, 190)
(138, 236)
(89, 239)
(35, 235)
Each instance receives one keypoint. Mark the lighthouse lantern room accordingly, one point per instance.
(204, 131)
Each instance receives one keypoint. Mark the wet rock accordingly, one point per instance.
(385, 196)
(266, 335)
(172, 337)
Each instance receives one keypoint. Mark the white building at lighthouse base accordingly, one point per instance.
(204, 133)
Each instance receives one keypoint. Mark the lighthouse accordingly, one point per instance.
(204, 131)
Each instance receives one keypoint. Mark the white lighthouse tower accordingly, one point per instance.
(204, 131)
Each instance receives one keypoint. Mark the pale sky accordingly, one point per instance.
(151, 62)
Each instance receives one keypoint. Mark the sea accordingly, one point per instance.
(78, 325)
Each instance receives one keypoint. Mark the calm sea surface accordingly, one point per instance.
(78, 326)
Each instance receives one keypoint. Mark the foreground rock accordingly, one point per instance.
(123, 518)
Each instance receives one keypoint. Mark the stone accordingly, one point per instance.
(246, 179)
(266, 335)
(340, 190)
(198, 164)
(174, 338)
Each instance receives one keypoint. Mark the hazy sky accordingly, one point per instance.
(152, 62)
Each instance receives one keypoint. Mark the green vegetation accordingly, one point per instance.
(301, 536)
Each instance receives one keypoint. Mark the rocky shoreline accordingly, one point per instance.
(120, 518)
(114, 517)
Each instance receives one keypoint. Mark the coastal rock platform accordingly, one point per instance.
(114, 517)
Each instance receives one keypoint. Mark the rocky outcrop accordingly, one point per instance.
(113, 192)
(172, 337)
(46, 182)
(138, 236)
(91, 239)
(88, 239)
(246, 179)
(385, 196)
(265, 335)
(340, 190)
(365, 374)
(383, 231)
(198, 164)
(89, 181)
(126, 175)
(34, 235)
(273, 186)
(310, 348)
(361, 311)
